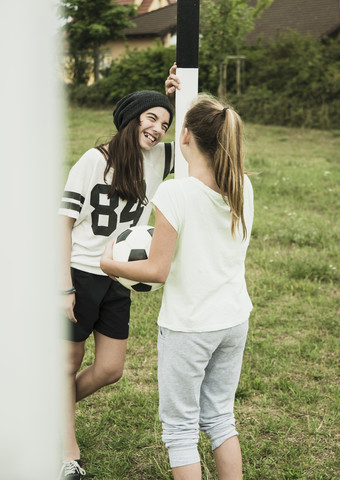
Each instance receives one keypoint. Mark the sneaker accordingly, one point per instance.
(71, 471)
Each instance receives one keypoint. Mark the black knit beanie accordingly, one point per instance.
(135, 103)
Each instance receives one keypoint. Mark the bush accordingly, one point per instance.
(293, 81)
(296, 65)
(260, 105)
(136, 70)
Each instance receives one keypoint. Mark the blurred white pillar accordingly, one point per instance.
(30, 158)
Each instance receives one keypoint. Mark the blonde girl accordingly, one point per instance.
(202, 230)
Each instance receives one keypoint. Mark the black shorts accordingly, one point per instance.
(101, 304)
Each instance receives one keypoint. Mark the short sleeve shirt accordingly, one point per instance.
(206, 288)
(99, 218)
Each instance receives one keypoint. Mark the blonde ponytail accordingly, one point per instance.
(218, 132)
(228, 166)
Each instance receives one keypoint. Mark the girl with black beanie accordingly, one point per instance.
(106, 192)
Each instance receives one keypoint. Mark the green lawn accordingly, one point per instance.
(288, 397)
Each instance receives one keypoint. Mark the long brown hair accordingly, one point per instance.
(217, 129)
(124, 155)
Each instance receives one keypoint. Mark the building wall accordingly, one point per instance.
(117, 48)
(113, 50)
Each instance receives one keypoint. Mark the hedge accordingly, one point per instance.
(294, 80)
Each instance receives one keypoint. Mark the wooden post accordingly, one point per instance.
(222, 85)
(238, 76)
(239, 59)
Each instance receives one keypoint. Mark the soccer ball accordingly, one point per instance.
(134, 244)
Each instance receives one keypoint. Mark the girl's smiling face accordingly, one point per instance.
(153, 125)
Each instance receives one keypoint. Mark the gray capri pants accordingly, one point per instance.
(198, 374)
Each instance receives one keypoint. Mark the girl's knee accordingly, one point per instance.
(108, 375)
(114, 376)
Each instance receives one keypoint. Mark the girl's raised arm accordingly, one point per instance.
(156, 268)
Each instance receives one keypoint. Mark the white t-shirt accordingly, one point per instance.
(206, 288)
(99, 218)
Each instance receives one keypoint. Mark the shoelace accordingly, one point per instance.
(71, 467)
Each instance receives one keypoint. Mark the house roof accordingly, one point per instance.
(319, 18)
(158, 22)
(316, 17)
(143, 5)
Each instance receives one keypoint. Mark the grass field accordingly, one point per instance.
(287, 404)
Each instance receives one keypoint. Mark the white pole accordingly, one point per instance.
(30, 165)
(187, 47)
(184, 97)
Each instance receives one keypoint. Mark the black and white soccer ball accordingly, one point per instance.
(134, 244)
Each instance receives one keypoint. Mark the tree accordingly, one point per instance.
(224, 26)
(89, 24)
